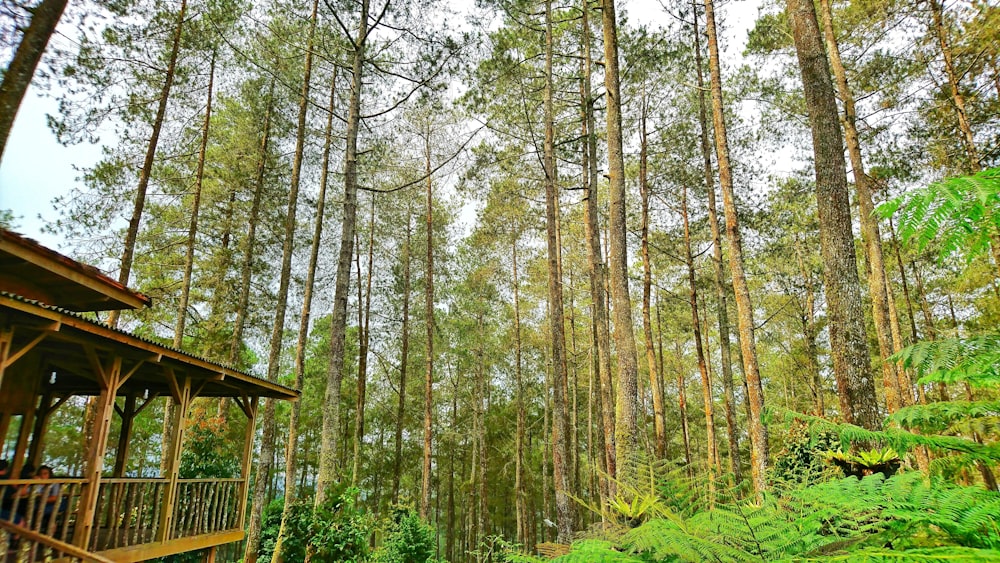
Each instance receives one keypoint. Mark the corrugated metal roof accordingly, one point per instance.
(83, 317)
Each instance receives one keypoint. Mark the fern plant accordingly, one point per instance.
(962, 215)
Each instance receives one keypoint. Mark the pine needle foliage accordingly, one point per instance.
(959, 215)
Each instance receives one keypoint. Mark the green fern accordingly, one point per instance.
(973, 360)
(959, 214)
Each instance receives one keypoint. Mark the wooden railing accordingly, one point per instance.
(22, 545)
(128, 511)
(205, 506)
(29, 504)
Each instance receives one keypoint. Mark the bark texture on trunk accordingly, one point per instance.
(246, 269)
(331, 401)
(269, 430)
(425, 485)
(404, 354)
(655, 386)
(744, 307)
(598, 269)
(706, 377)
(17, 77)
(561, 463)
(291, 445)
(195, 208)
(626, 406)
(128, 252)
(896, 394)
(848, 344)
(722, 306)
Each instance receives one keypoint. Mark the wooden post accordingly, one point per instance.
(6, 337)
(127, 414)
(46, 407)
(24, 432)
(210, 555)
(249, 406)
(110, 379)
(182, 394)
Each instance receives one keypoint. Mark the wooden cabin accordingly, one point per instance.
(52, 349)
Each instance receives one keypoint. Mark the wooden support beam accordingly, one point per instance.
(110, 377)
(183, 393)
(12, 356)
(46, 406)
(24, 433)
(249, 406)
(127, 415)
(6, 338)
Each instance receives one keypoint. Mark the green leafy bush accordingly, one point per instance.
(407, 539)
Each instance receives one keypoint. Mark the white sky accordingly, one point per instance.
(36, 169)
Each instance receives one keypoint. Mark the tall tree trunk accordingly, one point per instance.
(364, 318)
(626, 407)
(682, 408)
(595, 257)
(338, 327)
(195, 208)
(425, 487)
(268, 434)
(744, 307)
(482, 404)
(291, 446)
(147, 165)
(17, 77)
(810, 331)
(520, 475)
(968, 139)
(659, 422)
(895, 395)
(706, 378)
(404, 354)
(246, 271)
(848, 344)
(560, 423)
(720, 274)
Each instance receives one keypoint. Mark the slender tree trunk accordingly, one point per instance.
(682, 409)
(706, 378)
(246, 272)
(595, 257)
(331, 401)
(425, 489)
(720, 275)
(895, 395)
(291, 446)
(626, 407)
(268, 435)
(195, 208)
(744, 308)
(659, 421)
(561, 465)
(810, 331)
(482, 404)
(520, 475)
(17, 77)
(364, 319)
(147, 165)
(404, 354)
(968, 139)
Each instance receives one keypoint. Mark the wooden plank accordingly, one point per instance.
(65, 548)
(154, 550)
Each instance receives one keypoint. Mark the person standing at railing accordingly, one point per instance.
(49, 491)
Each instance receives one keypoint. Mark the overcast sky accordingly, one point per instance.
(36, 169)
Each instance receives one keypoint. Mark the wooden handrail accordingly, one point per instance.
(52, 481)
(213, 480)
(62, 547)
